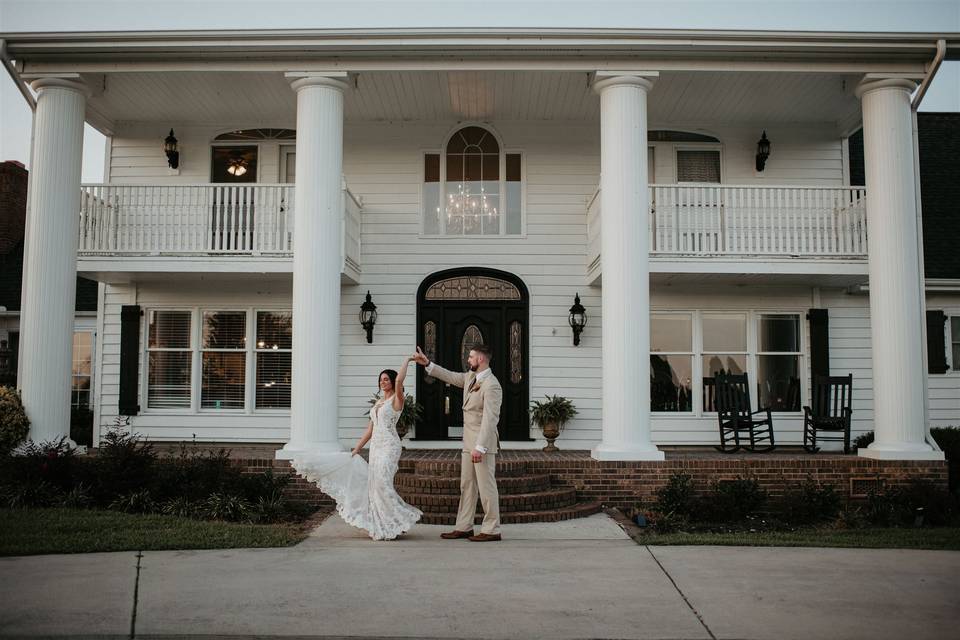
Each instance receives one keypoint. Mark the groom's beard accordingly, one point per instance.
(473, 368)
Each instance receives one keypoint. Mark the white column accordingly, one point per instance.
(50, 257)
(314, 419)
(896, 318)
(625, 207)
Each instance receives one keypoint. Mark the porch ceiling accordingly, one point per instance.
(678, 97)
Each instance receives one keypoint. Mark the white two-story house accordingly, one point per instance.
(691, 190)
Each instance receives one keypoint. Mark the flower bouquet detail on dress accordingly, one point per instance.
(364, 491)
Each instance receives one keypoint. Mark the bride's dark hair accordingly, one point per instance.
(390, 374)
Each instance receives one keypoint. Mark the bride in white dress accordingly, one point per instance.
(364, 492)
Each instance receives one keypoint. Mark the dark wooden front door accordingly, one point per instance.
(448, 327)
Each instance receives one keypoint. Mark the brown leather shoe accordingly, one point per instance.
(485, 537)
(453, 535)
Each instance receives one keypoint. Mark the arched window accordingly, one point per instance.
(473, 187)
(258, 134)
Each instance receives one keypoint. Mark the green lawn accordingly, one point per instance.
(878, 538)
(36, 531)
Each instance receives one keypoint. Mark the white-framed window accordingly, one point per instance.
(723, 339)
(473, 187)
(689, 348)
(953, 346)
(288, 163)
(169, 359)
(274, 352)
(213, 360)
(82, 374)
(671, 362)
(779, 361)
(698, 164)
(223, 345)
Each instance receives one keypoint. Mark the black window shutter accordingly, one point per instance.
(129, 359)
(819, 343)
(936, 345)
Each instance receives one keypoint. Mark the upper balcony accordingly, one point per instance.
(130, 229)
(810, 232)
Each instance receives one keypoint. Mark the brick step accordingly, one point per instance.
(448, 485)
(540, 501)
(452, 468)
(578, 510)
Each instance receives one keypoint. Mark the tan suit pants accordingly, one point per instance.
(478, 479)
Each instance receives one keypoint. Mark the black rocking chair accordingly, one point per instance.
(737, 422)
(831, 412)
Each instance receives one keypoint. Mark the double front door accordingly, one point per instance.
(447, 330)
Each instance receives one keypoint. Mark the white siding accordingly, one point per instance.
(798, 155)
(383, 164)
(136, 153)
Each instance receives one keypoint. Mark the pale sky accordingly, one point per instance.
(125, 15)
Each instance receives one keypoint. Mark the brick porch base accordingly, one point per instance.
(625, 484)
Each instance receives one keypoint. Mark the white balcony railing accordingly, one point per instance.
(724, 220)
(208, 219)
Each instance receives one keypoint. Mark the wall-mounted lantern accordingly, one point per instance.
(763, 151)
(170, 148)
(577, 319)
(368, 317)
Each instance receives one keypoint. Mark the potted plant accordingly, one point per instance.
(550, 416)
(411, 414)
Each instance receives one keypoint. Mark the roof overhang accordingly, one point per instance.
(249, 45)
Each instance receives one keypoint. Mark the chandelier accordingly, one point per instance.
(469, 205)
(237, 167)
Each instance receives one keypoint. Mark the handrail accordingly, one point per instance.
(748, 220)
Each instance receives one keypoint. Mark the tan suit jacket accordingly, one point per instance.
(481, 408)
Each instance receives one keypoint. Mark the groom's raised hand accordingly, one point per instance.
(421, 358)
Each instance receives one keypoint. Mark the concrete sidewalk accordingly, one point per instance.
(576, 579)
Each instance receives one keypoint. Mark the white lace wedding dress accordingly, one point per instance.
(364, 491)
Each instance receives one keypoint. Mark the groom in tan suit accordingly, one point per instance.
(482, 396)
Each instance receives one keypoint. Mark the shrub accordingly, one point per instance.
(134, 502)
(949, 440)
(181, 506)
(919, 503)
(810, 502)
(732, 500)
(863, 440)
(851, 518)
(123, 465)
(196, 474)
(669, 522)
(224, 506)
(253, 487)
(269, 509)
(77, 498)
(677, 496)
(34, 462)
(26, 495)
(14, 424)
